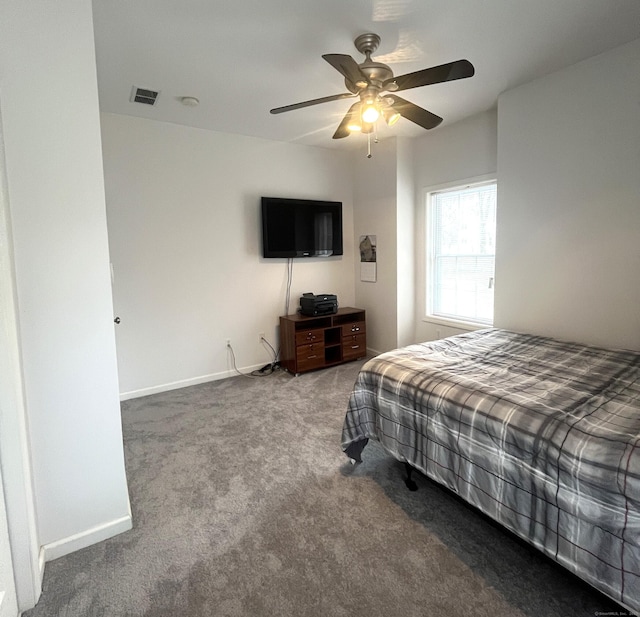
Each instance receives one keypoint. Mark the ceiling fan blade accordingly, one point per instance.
(460, 69)
(347, 66)
(415, 114)
(324, 99)
(342, 130)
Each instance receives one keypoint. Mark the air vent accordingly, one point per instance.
(143, 95)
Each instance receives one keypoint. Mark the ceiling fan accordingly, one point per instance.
(374, 84)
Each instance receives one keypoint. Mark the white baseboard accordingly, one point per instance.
(193, 381)
(59, 548)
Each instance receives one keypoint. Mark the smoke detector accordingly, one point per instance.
(190, 101)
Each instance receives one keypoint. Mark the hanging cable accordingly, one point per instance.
(267, 369)
(270, 368)
(275, 353)
(233, 361)
(289, 279)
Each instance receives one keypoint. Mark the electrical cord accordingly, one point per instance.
(233, 361)
(289, 280)
(275, 353)
(267, 369)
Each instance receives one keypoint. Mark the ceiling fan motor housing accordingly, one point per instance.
(375, 72)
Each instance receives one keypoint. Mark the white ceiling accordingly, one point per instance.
(244, 57)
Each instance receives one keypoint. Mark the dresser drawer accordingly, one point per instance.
(354, 346)
(308, 351)
(357, 327)
(309, 336)
(309, 356)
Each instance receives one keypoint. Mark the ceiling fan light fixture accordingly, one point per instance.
(370, 113)
(353, 119)
(390, 115)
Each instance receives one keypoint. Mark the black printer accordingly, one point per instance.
(313, 305)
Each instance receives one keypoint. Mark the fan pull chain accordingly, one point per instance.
(369, 145)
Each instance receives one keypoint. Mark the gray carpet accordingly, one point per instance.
(244, 505)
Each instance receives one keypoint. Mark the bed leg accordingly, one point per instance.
(409, 483)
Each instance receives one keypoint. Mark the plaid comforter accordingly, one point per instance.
(541, 435)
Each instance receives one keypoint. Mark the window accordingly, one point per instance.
(461, 234)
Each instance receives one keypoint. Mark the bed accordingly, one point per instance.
(539, 434)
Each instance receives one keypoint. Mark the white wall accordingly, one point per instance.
(8, 599)
(457, 152)
(20, 575)
(185, 237)
(48, 95)
(375, 213)
(8, 408)
(406, 236)
(568, 229)
(388, 200)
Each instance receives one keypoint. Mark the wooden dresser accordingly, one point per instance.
(309, 343)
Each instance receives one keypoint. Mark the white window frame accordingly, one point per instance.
(428, 229)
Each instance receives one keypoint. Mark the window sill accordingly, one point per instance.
(454, 323)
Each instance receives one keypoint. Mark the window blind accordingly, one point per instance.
(462, 239)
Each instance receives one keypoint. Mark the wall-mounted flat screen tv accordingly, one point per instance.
(301, 227)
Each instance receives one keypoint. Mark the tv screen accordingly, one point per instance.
(301, 227)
